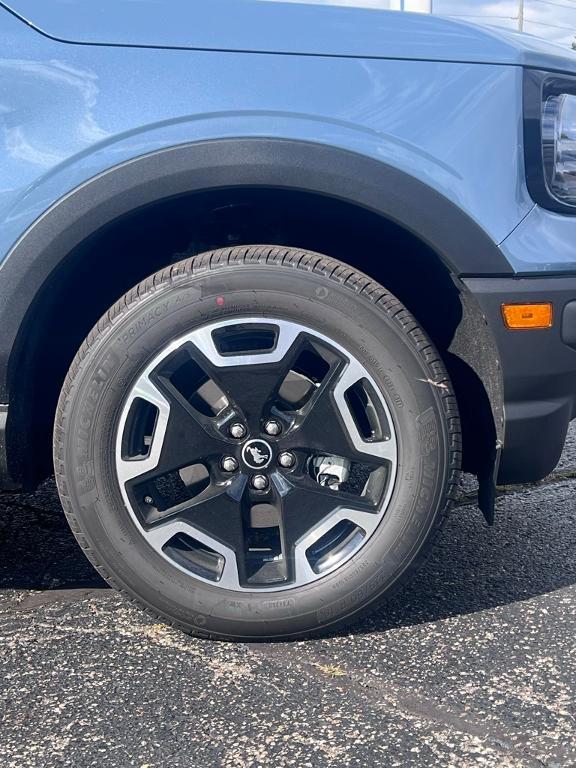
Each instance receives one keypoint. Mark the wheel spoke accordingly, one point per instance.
(252, 384)
(160, 536)
(186, 455)
(359, 522)
(187, 439)
(178, 438)
(129, 468)
(214, 517)
(327, 425)
(218, 513)
(384, 448)
(307, 504)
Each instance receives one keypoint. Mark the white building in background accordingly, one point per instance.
(554, 20)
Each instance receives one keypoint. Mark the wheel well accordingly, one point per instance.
(93, 276)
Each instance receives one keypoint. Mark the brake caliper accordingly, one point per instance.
(330, 471)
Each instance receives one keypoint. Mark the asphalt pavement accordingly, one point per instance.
(473, 665)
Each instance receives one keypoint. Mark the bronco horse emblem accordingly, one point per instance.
(257, 454)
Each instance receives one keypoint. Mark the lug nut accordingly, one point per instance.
(286, 460)
(229, 464)
(260, 482)
(272, 427)
(238, 430)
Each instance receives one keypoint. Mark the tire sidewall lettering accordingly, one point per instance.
(133, 339)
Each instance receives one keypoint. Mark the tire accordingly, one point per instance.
(366, 413)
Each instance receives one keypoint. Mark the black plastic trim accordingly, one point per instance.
(224, 163)
(538, 87)
(539, 374)
(569, 325)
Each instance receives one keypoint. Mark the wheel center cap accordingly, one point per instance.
(257, 454)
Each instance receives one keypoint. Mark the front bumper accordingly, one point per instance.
(538, 369)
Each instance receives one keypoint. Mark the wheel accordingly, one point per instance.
(257, 443)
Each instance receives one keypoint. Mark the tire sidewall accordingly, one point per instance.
(103, 379)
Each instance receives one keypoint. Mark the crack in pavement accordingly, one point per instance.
(392, 698)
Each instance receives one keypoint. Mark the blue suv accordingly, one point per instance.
(271, 275)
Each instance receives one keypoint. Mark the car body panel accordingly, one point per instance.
(544, 241)
(65, 119)
(284, 27)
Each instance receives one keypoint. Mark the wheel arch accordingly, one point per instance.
(42, 255)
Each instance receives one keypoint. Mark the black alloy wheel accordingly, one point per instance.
(257, 443)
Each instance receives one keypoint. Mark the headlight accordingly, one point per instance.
(550, 139)
(559, 147)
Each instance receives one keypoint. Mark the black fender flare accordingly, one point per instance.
(459, 241)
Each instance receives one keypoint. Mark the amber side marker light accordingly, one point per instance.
(527, 316)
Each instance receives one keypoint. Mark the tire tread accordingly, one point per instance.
(284, 258)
